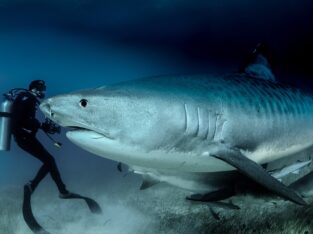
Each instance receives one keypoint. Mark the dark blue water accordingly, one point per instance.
(81, 44)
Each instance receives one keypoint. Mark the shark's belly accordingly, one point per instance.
(198, 160)
(196, 182)
(204, 163)
(163, 159)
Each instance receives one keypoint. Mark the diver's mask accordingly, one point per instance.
(38, 93)
(38, 88)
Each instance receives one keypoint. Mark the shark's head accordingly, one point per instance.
(108, 121)
(81, 112)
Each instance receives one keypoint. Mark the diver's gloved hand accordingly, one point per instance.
(45, 127)
(50, 127)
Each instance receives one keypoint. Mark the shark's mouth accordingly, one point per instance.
(79, 130)
(76, 129)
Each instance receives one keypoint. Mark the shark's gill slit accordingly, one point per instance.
(186, 117)
(212, 126)
(207, 118)
(198, 122)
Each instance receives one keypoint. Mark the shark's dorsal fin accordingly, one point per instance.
(148, 182)
(257, 65)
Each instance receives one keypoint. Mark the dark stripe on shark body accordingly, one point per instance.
(257, 98)
(291, 103)
(276, 103)
(274, 100)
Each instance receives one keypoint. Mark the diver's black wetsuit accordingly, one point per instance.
(25, 127)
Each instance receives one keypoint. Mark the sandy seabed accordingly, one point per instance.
(160, 209)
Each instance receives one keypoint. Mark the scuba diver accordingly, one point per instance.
(24, 129)
(18, 118)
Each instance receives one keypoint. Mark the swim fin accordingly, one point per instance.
(28, 213)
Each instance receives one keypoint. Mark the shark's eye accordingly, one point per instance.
(83, 102)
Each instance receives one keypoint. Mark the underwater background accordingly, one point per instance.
(83, 44)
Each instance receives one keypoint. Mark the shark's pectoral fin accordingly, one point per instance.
(148, 182)
(257, 173)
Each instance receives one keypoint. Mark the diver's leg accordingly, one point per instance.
(42, 172)
(36, 149)
(26, 142)
(49, 165)
(55, 174)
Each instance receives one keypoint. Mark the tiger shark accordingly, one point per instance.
(202, 133)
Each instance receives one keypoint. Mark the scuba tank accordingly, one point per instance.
(5, 122)
(6, 118)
